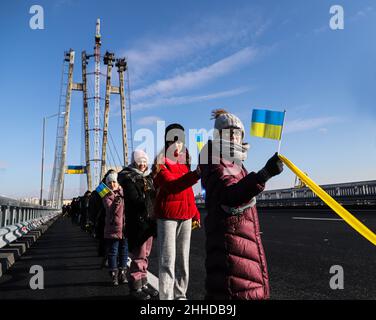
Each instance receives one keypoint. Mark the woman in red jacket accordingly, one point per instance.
(235, 259)
(175, 209)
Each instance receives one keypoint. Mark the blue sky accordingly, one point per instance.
(187, 58)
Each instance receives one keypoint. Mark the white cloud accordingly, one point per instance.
(321, 29)
(323, 130)
(167, 101)
(145, 121)
(195, 78)
(362, 13)
(309, 124)
(231, 30)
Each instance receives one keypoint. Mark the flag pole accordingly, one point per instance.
(280, 140)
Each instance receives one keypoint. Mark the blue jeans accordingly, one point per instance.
(117, 253)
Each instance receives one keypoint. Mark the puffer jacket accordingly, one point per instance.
(175, 198)
(235, 260)
(139, 194)
(115, 218)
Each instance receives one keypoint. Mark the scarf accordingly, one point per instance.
(134, 168)
(230, 150)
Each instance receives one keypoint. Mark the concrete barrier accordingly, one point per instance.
(24, 242)
(21, 247)
(16, 239)
(6, 260)
(15, 251)
(37, 232)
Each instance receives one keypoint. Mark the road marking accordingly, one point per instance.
(319, 219)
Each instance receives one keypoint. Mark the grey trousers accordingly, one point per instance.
(174, 240)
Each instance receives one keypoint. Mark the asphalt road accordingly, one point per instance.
(71, 268)
(300, 252)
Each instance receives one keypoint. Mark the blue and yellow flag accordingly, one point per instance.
(102, 190)
(267, 124)
(75, 169)
(199, 141)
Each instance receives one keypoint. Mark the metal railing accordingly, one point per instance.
(14, 211)
(353, 193)
(18, 218)
(361, 193)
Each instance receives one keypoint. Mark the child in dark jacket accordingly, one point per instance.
(114, 231)
(141, 226)
(97, 217)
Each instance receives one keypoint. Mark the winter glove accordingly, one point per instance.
(196, 224)
(273, 167)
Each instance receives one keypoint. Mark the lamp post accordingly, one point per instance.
(43, 138)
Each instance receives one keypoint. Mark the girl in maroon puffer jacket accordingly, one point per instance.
(175, 208)
(235, 259)
(114, 231)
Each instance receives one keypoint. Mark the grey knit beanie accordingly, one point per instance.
(226, 120)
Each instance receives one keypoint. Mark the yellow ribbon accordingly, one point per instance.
(333, 204)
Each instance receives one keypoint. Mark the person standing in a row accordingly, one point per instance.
(175, 208)
(235, 260)
(97, 217)
(114, 231)
(139, 194)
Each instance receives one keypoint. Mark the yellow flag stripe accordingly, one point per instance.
(333, 204)
(103, 192)
(69, 171)
(264, 130)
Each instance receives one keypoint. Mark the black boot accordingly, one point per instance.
(114, 275)
(123, 275)
(139, 294)
(148, 289)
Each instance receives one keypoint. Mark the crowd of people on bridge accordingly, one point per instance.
(158, 202)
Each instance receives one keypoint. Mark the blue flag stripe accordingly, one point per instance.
(101, 187)
(75, 167)
(268, 117)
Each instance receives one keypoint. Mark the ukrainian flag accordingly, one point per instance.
(75, 169)
(199, 141)
(267, 124)
(102, 190)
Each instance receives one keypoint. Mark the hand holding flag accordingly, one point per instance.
(103, 190)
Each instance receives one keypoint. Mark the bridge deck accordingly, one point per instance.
(71, 268)
(300, 245)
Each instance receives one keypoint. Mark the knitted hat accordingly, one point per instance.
(174, 132)
(139, 155)
(226, 120)
(111, 177)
